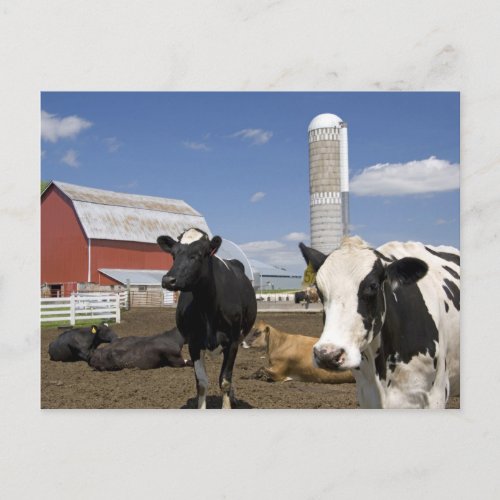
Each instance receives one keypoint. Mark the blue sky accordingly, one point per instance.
(241, 159)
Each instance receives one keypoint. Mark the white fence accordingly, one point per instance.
(80, 307)
(275, 297)
(123, 296)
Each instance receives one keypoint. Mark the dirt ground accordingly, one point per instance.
(76, 385)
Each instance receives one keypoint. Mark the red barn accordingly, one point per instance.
(85, 231)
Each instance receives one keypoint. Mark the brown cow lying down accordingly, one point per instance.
(144, 353)
(290, 356)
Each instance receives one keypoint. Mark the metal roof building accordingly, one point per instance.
(268, 277)
(230, 250)
(85, 229)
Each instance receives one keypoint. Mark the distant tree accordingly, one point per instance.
(43, 185)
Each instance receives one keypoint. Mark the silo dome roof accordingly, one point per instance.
(325, 120)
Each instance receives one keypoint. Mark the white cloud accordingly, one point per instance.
(296, 237)
(197, 146)
(415, 177)
(441, 221)
(276, 253)
(55, 128)
(71, 158)
(112, 143)
(261, 246)
(255, 135)
(257, 196)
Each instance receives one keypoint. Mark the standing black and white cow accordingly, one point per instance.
(392, 317)
(216, 307)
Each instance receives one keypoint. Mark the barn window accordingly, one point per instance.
(142, 288)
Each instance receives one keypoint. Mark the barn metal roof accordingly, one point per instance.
(108, 215)
(136, 276)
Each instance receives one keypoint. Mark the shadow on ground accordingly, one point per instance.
(215, 402)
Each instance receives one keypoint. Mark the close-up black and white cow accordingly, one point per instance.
(217, 304)
(392, 318)
(79, 344)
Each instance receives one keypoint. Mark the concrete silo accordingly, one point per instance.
(328, 181)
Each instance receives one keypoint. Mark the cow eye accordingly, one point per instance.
(372, 288)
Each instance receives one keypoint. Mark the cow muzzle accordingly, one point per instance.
(169, 282)
(329, 357)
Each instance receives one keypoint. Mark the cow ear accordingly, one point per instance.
(215, 244)
(312, 257)
(405, 271)
(166, 243)
(93, 329)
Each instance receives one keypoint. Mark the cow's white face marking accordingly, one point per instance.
(339, 280)
(191, 235)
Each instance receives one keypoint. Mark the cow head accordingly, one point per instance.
(258, 336)
(191, 255)
(103, 334)
(352, 282)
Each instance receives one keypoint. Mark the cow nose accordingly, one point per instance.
(168, 282)
(329, 356)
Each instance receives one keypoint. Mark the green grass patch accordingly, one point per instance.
(83, 322)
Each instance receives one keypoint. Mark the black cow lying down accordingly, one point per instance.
(79, 344)
(144, 353)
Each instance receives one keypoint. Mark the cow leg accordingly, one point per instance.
(226, 373)
(275, 375)
(198, 358)
(211, 336)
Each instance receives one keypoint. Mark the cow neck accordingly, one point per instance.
(96, 342)
(204, 291)
(275, 339)
(371, 393)
(408, 328)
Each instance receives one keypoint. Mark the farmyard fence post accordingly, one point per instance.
(117, 310)
(72, 310)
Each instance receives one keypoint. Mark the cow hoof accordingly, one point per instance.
(226, 402)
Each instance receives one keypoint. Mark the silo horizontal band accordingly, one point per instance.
(326, 198)
(324, 134)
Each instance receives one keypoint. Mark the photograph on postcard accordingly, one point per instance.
(250, 250)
